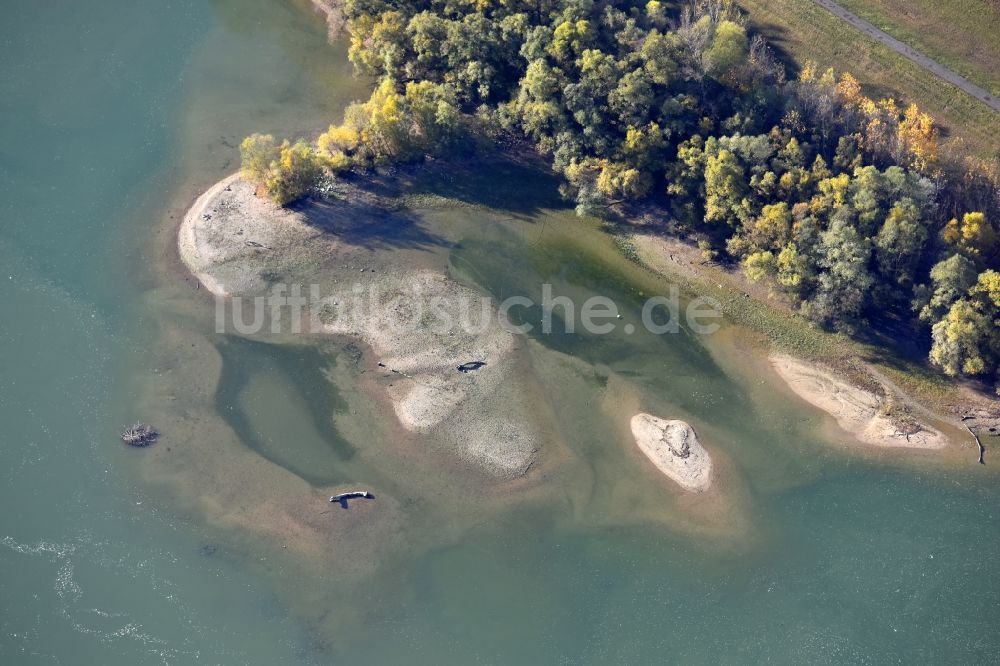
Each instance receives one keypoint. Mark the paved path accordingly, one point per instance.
(905, 50)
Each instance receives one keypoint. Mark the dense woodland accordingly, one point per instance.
(841, 202)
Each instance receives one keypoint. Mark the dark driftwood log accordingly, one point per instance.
(982, 449)
(394, 370)
(354, 494)
(139, 434)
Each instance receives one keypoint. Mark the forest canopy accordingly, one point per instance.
(841, 202)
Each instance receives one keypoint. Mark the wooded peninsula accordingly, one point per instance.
(847, 205)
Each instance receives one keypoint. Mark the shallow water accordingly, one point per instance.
(115, 116)
(105, 111)
(268, 392)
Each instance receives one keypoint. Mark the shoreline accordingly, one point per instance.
(333, 13)
(847, 396)
(843, 361)
(860, 412)
(187, 242)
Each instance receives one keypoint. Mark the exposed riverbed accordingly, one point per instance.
(219, 543)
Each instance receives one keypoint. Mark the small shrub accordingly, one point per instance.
(258, 152)
(293, 174)
(284, 172)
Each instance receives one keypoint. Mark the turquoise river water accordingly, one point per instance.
(114, 115)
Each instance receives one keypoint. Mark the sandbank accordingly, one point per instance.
(673, 447)
(858, 411)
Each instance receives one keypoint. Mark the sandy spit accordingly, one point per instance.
(856, 410)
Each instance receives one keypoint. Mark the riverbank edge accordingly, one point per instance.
(910, 392)
(187, 242)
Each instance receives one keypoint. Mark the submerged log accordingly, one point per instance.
(139, 434)
(354, 494)
(982, 449)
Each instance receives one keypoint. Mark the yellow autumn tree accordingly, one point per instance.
(849, 89)
(966, 340)
(908, 136)
(759, 265)
(334, 147)
(569, 39)
(293, 173)
(618, 180)
(378, 124)
(919, 137)
(973, 235)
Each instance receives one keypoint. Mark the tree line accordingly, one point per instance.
(841, 202)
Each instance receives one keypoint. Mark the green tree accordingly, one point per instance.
(900, 243)
(950, 280)
(432, 112)
(967, 340)
(845, 281)
(794, 272)
(725, 190)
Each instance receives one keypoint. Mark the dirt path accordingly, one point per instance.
(907, 51)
